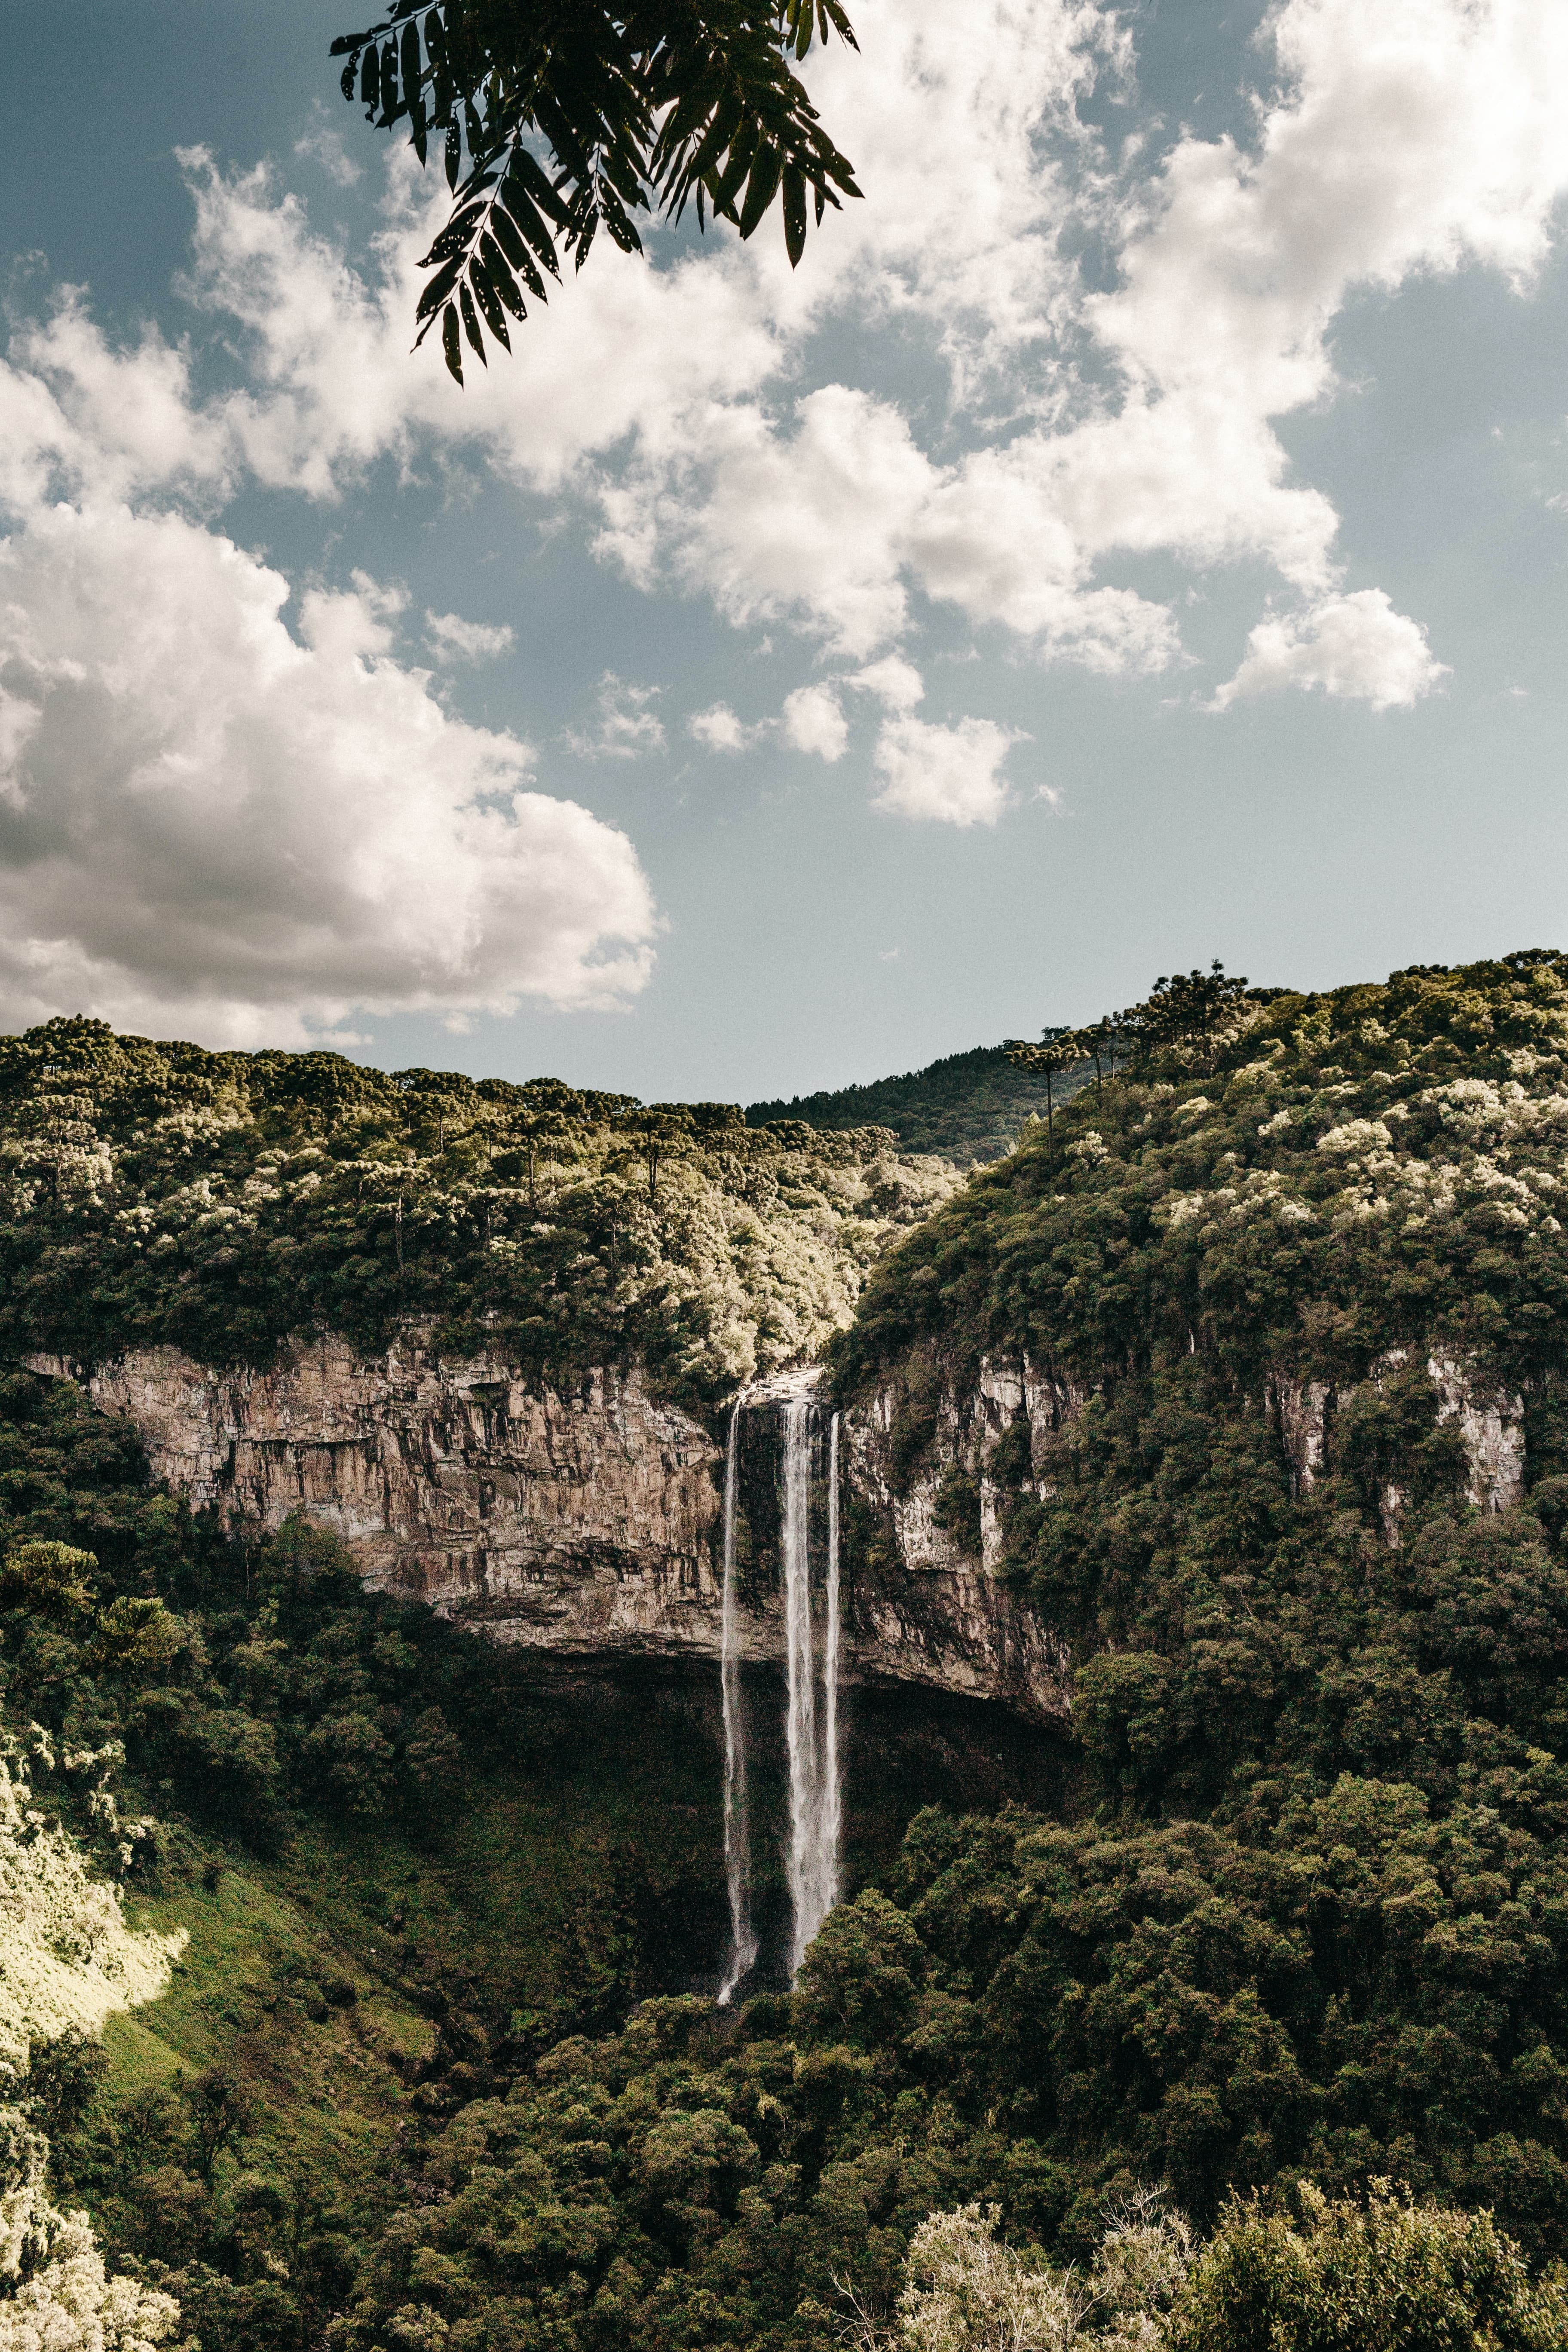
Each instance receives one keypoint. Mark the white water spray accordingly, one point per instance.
(814, 1799)
(737, 1840)
(832, 1797)
(800, 1707)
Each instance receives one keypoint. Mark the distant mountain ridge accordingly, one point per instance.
(965, 1106)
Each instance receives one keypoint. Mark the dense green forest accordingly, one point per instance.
(1237, 2045)
(1313, 1918)
(967, 1107)
(161, 1194)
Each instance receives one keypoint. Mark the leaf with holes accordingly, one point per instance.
(498, 275)
(471, 325)
(507, 236)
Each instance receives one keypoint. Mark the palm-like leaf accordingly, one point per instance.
(640, 108)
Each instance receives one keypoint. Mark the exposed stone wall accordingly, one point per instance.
(586, 1520)
(1491, 1422)
(1027, 1659)
(579, 1518)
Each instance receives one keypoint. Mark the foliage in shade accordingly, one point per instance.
(1301, 1930)
(967, 1106)
(640, 108)
(299, 1732)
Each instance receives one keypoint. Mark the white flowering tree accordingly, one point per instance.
(66, 1959)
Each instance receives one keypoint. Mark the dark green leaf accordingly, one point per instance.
(506, 232)
(498, 275)
(471, 324)
(528, 222)
(761, 188)
(486, 297)
(450, 343)
(439, 286)
(793, 214)
(595, 116)
(525, 168)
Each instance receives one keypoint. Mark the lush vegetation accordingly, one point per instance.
(393, 1867)
(157, 1193)
(965, 1108)
(1318, 1181)
(1314, 1918)
(1298, 1931)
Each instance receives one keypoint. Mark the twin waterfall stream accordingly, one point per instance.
(811, 1713)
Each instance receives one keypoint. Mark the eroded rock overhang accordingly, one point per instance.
(583, 1517)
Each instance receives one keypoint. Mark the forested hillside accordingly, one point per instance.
(1313, 1918)
(1297, 1926)
(161, 1194)
(967, 1106)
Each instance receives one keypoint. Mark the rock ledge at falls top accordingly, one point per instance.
(584, 1520)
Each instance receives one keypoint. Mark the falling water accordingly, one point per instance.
(816, 1805)
(832, 1803)
(800, 1719)
(737, 1842)
(814, 1790)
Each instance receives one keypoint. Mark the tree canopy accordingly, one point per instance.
(1284, 1929)
(556, 116)
(157, 1193)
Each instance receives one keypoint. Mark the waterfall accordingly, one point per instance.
(737, 1841)
(832, 1794)
(800, 1713)
(813, 1796)
(815, 1801)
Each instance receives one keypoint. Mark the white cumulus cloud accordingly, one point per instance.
(895, 682)
(944, 775)
(1392, 142)
(473, 641)
(214, 819)
(813, 720)
(719, 729)
(210, 823)
(626, 726)
(1356, 647)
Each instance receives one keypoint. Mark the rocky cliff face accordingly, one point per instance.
(1489, 1423)
(944, 1511)
(586, 1520)
(966, 1426)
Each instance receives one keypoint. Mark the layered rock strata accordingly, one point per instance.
(584, 1520)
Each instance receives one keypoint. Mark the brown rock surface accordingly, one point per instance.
(584, 1520)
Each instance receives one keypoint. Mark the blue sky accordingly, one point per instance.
(1135, 534)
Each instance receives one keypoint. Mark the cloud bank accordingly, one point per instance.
(216, 817)
(210, 822)
(1409, 140)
